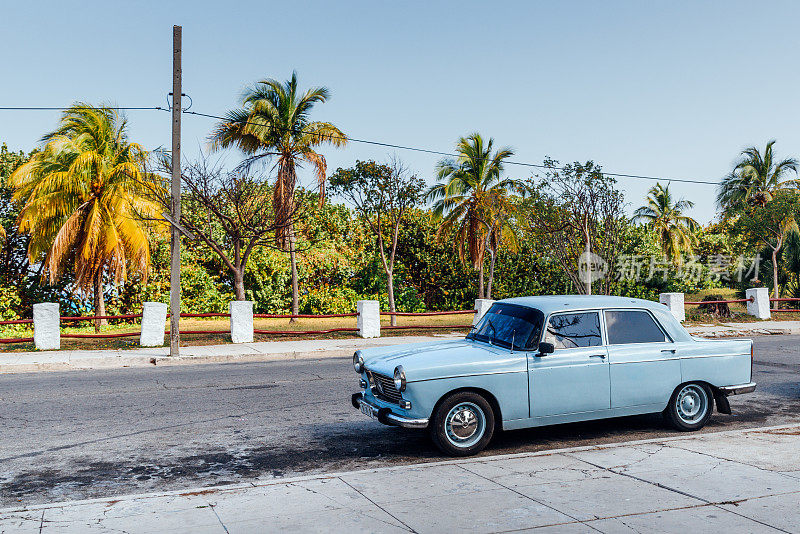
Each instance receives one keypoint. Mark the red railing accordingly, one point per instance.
(304, 332)
(136, 316)
(301, 316)
(426, 314)
(785, 299)
(101, 317)
(751, 299)
(100, 336)
(200, 315)
(75, 319)
(730, 301)
(423, 314)
(16, 339)
(17, 321)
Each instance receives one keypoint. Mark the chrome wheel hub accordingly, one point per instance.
(691, 403)
(465, 424)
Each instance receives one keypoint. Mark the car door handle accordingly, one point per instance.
(601, 356)
(672, 351)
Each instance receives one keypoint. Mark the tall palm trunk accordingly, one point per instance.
(775, 288)
(492, 256)
(99, 303)
(295, 285)
(480, 281)
(390, 289)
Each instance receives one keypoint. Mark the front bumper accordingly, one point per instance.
(738, 390)
(385, 415)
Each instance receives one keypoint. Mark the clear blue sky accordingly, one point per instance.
(672, 89)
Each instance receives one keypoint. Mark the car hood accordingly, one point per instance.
(428, 361)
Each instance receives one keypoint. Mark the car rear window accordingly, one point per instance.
(571, 330)
(632, 326)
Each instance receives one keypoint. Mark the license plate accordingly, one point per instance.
(366, 409)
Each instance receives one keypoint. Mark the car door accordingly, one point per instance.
(574, 378)
(644, 362)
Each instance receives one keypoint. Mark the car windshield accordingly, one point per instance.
(507, 324)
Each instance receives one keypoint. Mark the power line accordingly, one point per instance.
(40, 108)
(452, 155)
(364, 141)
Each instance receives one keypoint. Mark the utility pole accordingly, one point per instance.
(175, 257)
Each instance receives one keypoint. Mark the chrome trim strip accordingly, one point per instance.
(394, 419)
(676, 357)
(738, 390)
(468, 375)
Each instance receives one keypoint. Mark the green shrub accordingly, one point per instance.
(9, 303)
(329, 300)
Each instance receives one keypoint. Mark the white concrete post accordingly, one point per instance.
(154, 321)
(481, 307)
(369, 318)
(46, 326)
(241, 321)
(760, 305)
(674, 301)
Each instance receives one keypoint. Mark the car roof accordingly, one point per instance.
(556, 303)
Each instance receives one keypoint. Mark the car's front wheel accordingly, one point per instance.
(463, 424)
(690, 407)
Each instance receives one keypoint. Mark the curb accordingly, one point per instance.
(207, 490)
(746, 333)
(118, 362)
(82, 360)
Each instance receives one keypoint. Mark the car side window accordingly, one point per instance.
(632, 326)
(571, 330)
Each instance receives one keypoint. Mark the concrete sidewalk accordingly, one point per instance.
(736, 481)
(759, 328)
(62, 360)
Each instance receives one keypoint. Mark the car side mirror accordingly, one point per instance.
(546, 348)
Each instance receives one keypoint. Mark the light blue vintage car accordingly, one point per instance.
(535, 361)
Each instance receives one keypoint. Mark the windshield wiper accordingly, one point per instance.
(494, 331)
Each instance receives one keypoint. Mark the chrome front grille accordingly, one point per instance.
(383, 387)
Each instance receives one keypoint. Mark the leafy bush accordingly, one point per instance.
(10, 301)
(202, 292)
(329, 300)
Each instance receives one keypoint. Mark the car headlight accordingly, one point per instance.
(358, 362)
(399, 378)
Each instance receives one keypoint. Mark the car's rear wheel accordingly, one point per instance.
(690, 407)
(463, 424)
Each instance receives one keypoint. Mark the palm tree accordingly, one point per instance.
(665, 216)
(273, 123)
(755, 179)
(83, 197)
(500, 228)
(467, 184)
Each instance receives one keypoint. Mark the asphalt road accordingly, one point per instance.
(85, 434)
